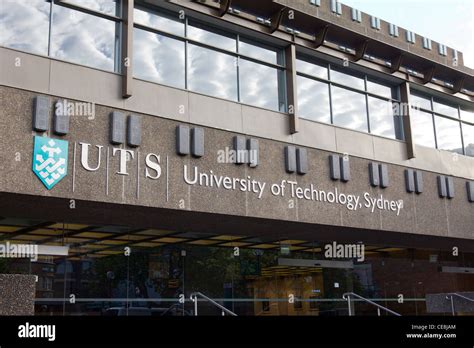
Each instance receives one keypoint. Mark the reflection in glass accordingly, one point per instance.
(82, 38)
(25, 25)
(258, 85)
(347, 80)
(212, 73)
(380, 89)
(311, 69)
(418, 101)
(422, 128)
(258, 52)
(202, 34)
(158, 21)
(448, 134)
(382, 119)
(158, 58)
(105, 6)
(467, 114)
(313, 100)
(445, 109)
(468, 134)
(349, 109)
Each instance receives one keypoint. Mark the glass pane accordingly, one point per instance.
(380, 89)
(448, 133)
(212, 73)
(347, 80)
(349, 109)
(467, 115)
(311, 69)
(382, 119)
(422, 128)
(82, 38)
(448, 110)
(105, 6)
(158, 58)
(417, 101)
(202, 34)
(159, 21)
(25, 25)
(258, 85)
(468, 133)
(265, 54)
(313, 100)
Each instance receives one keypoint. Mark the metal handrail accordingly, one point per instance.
(451, 295)
(218, 305)
(347, 296)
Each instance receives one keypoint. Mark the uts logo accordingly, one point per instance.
(50, 160)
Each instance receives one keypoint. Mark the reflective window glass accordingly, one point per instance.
(448, 134)
(418, 101)
(468, 134)
(258, 52)
(349, 109)
(422, 128)
(212, 73)
(158, 58)
(347, 80)
(312, 69)
(382, 119)
(381, 89)
(258, 85)
(313, 100)
(24, 25)
(106, 6)
(159, 21)
(205, 35)
(467, 114)
(82, 38)
(445, 109)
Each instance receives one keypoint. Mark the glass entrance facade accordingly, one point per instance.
(124, 270)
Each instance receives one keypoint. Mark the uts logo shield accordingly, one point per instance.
(50, 160)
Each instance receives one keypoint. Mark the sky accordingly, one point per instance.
(450, 22)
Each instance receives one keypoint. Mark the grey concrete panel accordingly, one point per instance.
(60, 121)
(182, 140)
(418, 181)
(254, 152)
(345, 164)
(134, 130)
(240, 148)
(383, 175)
(290, 159)
(374, 175)
(334, 167)
(410, 180)
(449, 187)
(442, 190)
(41, 108)
(197, 141)
(117, 127)
(470, 191)
(301, 161)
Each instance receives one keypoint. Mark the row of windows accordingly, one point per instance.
(442, 126)
(183, 53)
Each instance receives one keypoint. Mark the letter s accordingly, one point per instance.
(152, 165)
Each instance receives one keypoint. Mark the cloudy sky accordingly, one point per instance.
(450, 22)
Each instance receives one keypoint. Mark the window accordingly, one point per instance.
(192, 55)
(25, 25)
(83, 38)
(349, 109)
(355, 101)
(452, 129)
(158, 58)
(74, 35)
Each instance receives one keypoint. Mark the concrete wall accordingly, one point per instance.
(17, 294)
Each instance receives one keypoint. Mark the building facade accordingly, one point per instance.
(278, 157)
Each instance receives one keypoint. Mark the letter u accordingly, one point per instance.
(85, 157)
